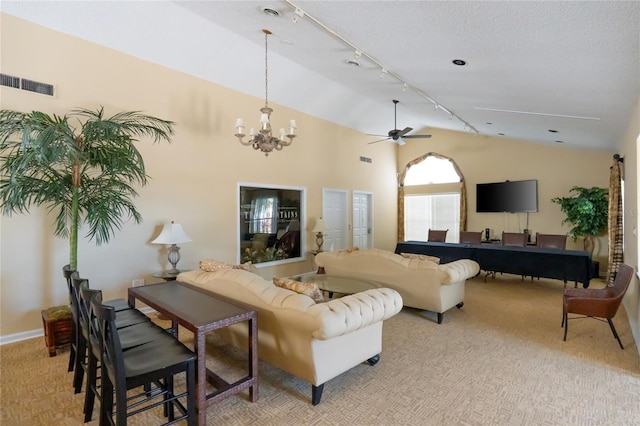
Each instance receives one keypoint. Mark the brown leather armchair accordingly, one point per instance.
(598, 304)
(437, 236)
(470, 237)
(557, 241)
(514, 239)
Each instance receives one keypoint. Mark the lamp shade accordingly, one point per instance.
(320, 226)
(172, 233)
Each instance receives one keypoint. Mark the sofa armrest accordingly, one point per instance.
(349, 313)
(460, 270)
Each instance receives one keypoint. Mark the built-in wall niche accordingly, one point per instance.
(271, 222)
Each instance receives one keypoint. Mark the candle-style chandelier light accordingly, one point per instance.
(264, 140)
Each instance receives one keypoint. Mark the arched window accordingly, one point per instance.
(430, 171)
(432, 195)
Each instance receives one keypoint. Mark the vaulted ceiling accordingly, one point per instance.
(544, 71)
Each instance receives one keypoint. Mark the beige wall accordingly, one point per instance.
(194, 179)
(630, 153)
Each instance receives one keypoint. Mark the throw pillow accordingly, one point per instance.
(420, 257)
(349, 250)
(247, 266)
(211, 265)
(308, 289)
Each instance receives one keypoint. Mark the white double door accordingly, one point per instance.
(335, 211)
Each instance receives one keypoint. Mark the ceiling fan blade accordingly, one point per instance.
(380, 136)
(379, 140)
(417, 136)
(406, 130)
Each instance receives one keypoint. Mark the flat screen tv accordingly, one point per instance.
(518, 196)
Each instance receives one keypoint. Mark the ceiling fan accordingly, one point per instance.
(395, 135)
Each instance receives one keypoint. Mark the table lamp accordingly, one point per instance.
(173, 234)
(320, 229)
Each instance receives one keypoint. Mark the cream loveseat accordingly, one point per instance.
(312, 341)
(422, 283)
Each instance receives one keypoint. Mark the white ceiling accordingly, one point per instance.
(532, 66)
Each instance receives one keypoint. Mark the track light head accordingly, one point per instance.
(297, 15)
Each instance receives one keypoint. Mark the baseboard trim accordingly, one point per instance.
(18, 337)
(26, 335)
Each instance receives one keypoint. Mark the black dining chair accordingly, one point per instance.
(131, 336)
(126, 317)
(152, 363)
(67, 272)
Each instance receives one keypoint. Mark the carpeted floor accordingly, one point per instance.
(500, 360)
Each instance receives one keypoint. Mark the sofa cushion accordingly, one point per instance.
(420, 257)
(308, 289)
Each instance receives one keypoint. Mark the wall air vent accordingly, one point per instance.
(365, 159)
(35, 86)
(10, 81)
(26, 84)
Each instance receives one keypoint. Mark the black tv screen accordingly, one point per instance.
(510, 196)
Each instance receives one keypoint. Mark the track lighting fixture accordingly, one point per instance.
(355, 61)
(297, 14)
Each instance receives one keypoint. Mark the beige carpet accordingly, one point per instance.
(500, 360)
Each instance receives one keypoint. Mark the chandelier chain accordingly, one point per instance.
(266, 67)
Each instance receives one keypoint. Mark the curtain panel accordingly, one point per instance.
(615, 237)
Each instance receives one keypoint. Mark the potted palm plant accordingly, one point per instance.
(587, 212)
(83, 167)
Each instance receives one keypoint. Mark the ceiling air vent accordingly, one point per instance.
(10, 81)
(26, 84)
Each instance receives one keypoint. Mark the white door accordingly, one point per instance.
(362, 219)
(336, 216)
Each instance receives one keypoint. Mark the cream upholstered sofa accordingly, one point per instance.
(422, 283)
(313, 341)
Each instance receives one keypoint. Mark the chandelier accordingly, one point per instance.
(264, 140)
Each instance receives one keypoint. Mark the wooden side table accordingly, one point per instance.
(201, 312)
(58, 327)
(166, 275)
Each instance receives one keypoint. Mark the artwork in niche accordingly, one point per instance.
(270, 223)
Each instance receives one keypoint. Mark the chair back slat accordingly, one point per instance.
(621, 282)
(470, 237)
(436, 235)
(107, 334)
(558, 241)
(514, 239)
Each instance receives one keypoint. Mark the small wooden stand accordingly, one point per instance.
(58, 327)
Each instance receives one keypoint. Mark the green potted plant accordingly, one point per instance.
(587, 212)
(83, 167)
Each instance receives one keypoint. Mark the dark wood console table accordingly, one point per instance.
(566, 265)
(200, 312)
